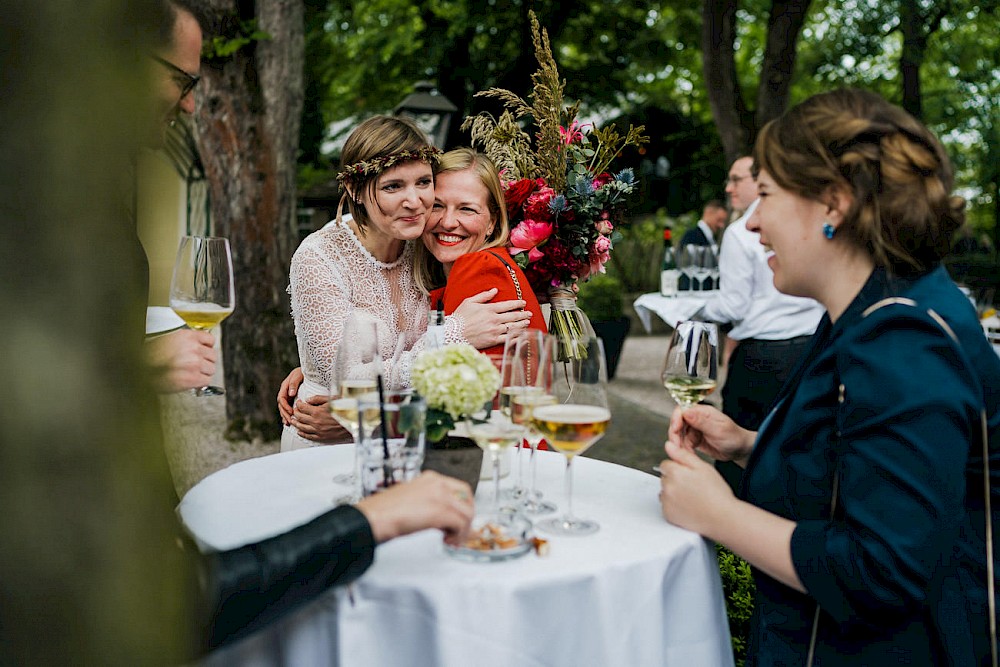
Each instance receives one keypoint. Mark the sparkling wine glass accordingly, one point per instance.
(577, 420)
(355, 376)
(533, 370)
(202, 292)
(691, 367)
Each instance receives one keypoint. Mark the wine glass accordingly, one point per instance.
(533, 371)
(687, 262)
(355, 375)
(691, 367)
(706, 261)
(577, 420)
(713, 265)
(512, 385)
(202, 292)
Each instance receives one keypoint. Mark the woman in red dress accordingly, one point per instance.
(465, 241)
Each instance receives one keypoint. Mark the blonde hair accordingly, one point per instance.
(379, 136)
(897, 172)
(427, 270)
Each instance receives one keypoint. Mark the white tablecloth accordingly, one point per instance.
(671, 309)
(639, 592)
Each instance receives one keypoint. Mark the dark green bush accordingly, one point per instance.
(738, 587)
(601, 298)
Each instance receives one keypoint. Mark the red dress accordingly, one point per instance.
(479, 271)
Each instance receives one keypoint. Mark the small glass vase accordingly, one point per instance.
(568, 324)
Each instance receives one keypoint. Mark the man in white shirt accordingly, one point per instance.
(771, 329)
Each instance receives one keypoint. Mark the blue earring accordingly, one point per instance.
(829, 230)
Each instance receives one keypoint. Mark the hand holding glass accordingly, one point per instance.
(202, 292)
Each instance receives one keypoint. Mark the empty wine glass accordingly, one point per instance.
(202, 292)
(576, 421)
(688, 262)
(533, 370)
(691, 367)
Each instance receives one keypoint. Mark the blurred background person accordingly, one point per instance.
(770, 330)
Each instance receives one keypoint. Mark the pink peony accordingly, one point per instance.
(529, 234)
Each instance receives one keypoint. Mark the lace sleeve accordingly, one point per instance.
(320, 300)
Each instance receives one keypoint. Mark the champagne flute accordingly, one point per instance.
(202, 292)
(354, 377)
(534, 352)
(691, 367)
(494, 433)
(577, 420)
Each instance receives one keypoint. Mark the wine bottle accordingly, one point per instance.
(668, 268)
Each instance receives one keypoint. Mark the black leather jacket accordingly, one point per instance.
(249, 587)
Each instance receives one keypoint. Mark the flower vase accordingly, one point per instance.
(568, 323)
(457, 457)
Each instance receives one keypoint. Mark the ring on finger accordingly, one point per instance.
(462, 495)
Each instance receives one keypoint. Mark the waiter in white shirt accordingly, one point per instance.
(771, 329)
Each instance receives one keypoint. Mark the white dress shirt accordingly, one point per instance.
(747, 296)
(709, 234)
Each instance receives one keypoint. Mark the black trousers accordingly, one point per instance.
(757, 370)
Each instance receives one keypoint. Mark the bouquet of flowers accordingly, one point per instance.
(456, 381)
(562, 198)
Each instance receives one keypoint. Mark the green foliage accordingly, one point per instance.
(221, 47)
(738, 589)
(601, 298)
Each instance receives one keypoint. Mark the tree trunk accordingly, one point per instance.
(783, 28)
(912, 56)
(248, 127)
(725, 98)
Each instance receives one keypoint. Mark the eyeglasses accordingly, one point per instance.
(184, 80)
(735, 180)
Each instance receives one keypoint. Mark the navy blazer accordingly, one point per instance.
(899, 572)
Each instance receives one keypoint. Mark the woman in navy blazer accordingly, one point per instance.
(863, 495)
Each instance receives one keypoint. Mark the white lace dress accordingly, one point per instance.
(333, 274)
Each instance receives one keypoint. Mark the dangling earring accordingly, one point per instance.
(829, 230)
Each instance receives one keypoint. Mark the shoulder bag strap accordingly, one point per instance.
(510, 270)
(984, 438)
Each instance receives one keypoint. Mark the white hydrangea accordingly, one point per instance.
(456, 379)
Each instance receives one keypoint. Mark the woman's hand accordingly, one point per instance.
(693, 494)
(487, 324)
(312, 419)
(286, 395)
(705, 429)
(430, 501)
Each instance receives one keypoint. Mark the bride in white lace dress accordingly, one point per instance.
(366, 263)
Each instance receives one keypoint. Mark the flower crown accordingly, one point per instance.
(380, 163)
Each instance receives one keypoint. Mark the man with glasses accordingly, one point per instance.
(186, 358)
(770, 329)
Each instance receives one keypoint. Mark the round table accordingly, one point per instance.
(638, 592)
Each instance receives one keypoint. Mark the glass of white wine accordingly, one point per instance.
(578, 419)
(500, 533)
(355, 376)
(513, 384)
(532, 370)
(202, 292)
(690, 370)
